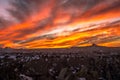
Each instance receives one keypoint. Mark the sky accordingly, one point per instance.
(3, 5)
(59, 23)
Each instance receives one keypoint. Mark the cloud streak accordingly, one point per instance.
(62, 23)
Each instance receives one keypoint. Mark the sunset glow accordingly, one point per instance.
(64, 24)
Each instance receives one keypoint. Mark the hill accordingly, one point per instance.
(89, 50)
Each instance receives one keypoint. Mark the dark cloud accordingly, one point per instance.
(104, 39)
(99, 39)
(4, 23)
(110, 7)
(47, 36)
(39, 26)
(81, 3)
(23, 9)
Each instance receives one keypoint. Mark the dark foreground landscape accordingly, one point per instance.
(86, 63)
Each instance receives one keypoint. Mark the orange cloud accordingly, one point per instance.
(55, 27)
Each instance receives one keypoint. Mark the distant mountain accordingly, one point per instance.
(82, 50)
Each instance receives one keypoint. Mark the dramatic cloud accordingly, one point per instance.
(61, 23)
